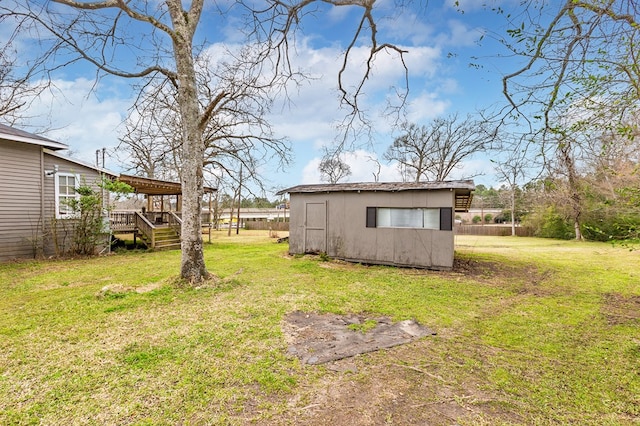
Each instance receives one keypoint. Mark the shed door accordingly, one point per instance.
(315, 227)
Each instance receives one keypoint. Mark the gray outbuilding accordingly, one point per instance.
(403, 224)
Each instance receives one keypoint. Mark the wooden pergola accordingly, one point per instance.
(159, 229)
(159, 188)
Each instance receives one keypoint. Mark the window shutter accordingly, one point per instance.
(371, 217)
(446, 219)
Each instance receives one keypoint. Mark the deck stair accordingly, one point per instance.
(165, 239)
(157, 230)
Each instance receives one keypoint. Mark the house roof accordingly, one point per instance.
(81, 163)
(17, 135)
(150, 186)
(462, 189)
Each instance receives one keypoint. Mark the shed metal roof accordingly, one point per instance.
(462, 188)
(381, 187)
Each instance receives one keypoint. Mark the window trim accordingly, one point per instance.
(57, 196)
(372, 214)
(445, 218)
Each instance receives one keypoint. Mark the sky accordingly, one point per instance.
(441, 41)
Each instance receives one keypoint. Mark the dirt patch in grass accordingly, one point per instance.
(409, 383)
(405, 385)
(528, 277)
(619, 309)
(525, 279)
(118, 289)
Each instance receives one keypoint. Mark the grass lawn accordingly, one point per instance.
(529, 331)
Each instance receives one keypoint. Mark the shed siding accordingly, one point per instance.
(296, 224)
(19, 198)
(349, 238)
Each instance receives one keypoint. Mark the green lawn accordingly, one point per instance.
(530, 331)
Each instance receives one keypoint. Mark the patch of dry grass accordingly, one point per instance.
(530, 331)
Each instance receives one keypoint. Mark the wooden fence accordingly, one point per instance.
(263, 225)
(489, 230)
(493, 230)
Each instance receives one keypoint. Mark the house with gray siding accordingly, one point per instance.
(403, 224)
(36, 179)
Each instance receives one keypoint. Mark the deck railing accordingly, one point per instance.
(122, 221)
(156, 217)
(126, 220)
(174, 222)
(144, 222)
(145, 227)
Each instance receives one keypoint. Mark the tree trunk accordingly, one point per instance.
(513, 211)
(576, 227)
(572, 175)
(231, 215)
(239, 201)
(192, 267)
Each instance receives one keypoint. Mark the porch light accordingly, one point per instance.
(51, 172)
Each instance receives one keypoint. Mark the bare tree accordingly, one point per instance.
(9, 101)
(16, 90)
(613, 160)
(237, 134)
(513, 169)
(582, 63)
(412, 151)
(150, 144)
(378, 166)
(434, 151)
(333, 168)
(581, 77)
(100, 33)
(568, 180)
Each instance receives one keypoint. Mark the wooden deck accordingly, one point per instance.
(158, 230)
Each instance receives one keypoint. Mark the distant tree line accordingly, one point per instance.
(599, 199)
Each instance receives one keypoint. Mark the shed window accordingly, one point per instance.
(422, 218)
(66, 185)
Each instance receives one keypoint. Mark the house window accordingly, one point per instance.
(66, 185)
(422, 218)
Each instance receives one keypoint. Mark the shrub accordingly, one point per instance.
(549, 223)
(89, 227)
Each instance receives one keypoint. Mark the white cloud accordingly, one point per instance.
(75, 116)
(339, 13)
(408, 26)
(427, 106)
(364, 166)
(462, 35)
(313, 111)
(387, 68)
(310, 173)
(431, 28)
(87, 122)
(481, 168)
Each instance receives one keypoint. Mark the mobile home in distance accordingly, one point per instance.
(403, 224)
